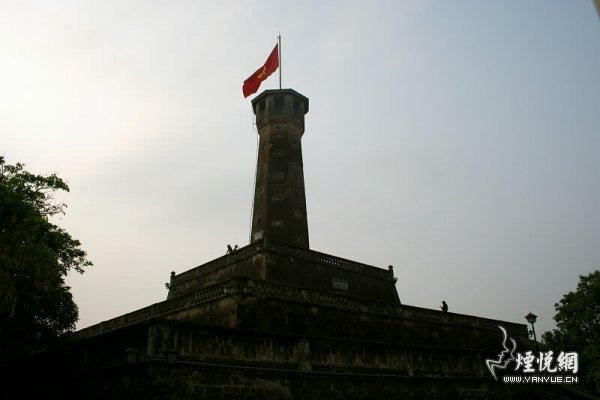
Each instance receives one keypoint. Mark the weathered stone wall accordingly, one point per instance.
(278, 309)
(151, 380)
(281, 263)
(296, 349)
(269, 322)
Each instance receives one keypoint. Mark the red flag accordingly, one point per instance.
(252, 84)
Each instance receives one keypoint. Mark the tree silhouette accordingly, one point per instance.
(36, 306)
(578, 327)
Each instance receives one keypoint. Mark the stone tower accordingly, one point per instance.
(276, 319)
(279, 198)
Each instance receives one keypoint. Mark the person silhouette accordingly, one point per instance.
(229, 249)
(444, 306)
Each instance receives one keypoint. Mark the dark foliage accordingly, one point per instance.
(36, 306)
(578, 327)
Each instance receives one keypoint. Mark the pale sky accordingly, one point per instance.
(458, 141)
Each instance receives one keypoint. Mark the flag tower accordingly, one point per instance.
(279, 209)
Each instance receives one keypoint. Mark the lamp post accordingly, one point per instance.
(531, 318)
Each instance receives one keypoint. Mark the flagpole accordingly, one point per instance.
(279, 47)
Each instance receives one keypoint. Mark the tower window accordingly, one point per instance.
(278, 100)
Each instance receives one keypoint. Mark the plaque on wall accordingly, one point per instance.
(339, 284)
(257, 236)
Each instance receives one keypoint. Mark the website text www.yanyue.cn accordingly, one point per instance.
(540, 379)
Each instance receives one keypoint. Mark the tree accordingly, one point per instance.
(36, 306)
(578, 327)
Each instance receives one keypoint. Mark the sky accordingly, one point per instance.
(458, 140)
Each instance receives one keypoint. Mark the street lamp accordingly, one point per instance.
(531, 318)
